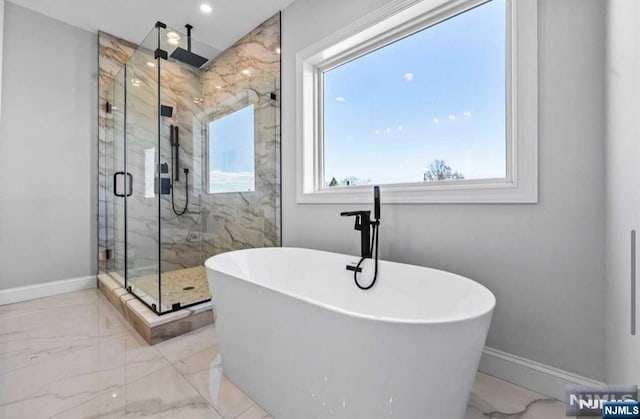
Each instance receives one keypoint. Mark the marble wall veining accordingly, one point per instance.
(246, 73)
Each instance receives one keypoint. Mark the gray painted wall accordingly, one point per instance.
(47, 150)
(544, 262)
(1, 45)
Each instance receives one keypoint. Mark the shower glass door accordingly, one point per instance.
(142, 164)
(116, 176)
(190, 161)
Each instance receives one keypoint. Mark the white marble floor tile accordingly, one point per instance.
(538, 409)
(204, 371)
(163, 394)
(68, 320)
(255, 412)
(200, 361)
(188, 344)
(474, 413)
(546, 409)
(61, 382)
(32, 338)
(228, 400)
(493, 398)
(491, 394)
(45, 304)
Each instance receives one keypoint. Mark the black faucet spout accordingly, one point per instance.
(363, 224)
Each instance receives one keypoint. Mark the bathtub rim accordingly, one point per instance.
(385, 319)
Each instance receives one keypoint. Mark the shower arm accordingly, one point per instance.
(189, 27)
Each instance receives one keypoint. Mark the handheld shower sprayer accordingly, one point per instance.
(376, 202)
(174, 137)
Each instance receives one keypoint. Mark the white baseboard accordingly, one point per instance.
(31, 292)
(541, 378)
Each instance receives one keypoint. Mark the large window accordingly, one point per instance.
(429, 107)
(231, 152)
(435, 102)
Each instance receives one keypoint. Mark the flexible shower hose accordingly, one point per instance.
(374, 244)
(186, 205)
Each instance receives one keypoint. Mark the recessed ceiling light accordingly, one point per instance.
(151, 64)
(173, 38)
(205, 8)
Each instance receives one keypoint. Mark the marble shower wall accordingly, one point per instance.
(246, 73)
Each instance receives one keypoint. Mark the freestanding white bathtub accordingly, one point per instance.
(304, 342)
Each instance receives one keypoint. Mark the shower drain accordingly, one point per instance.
(187, 288)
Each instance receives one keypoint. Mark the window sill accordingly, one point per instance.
(482, 192)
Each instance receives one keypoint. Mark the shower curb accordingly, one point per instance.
(152, 327)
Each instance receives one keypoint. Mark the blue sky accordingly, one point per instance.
(437, 94)
(232, 152)
(231, 143)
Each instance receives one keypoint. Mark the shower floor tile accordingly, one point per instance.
(152, 327)
(97, 366)
(184, 286)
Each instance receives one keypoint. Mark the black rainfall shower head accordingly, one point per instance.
(185, 55)
(188, 57)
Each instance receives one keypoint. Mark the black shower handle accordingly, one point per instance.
(130, 191)
(115, 184)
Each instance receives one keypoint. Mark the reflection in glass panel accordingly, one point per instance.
(149, 172)
(231, 152)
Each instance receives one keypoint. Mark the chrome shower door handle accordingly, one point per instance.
(633, 283)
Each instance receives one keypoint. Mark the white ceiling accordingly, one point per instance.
(133, 19)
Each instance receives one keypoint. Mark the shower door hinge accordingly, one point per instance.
(104, 254)
(273, 96)
(175, 306)
(107, 107)
(160, 53)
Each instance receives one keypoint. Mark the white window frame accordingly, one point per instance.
(388, 24)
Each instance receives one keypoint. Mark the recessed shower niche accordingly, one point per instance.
(189, 158)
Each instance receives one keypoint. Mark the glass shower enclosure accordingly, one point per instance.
(189, 164)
